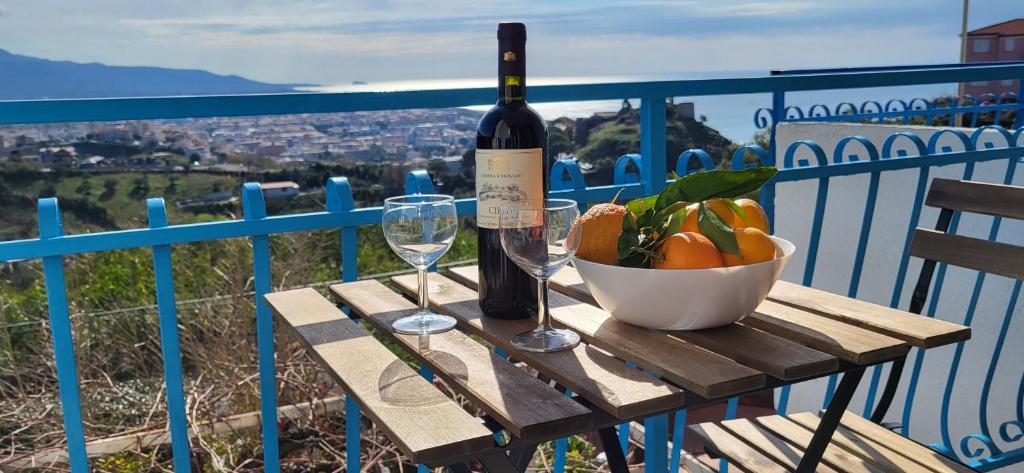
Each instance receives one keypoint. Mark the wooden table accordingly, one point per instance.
(797, 334)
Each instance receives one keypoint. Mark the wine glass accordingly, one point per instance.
(421, 228)
(541, 242)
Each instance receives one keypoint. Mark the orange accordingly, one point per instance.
(756, 218)
(720, 208)
(755, 247)
(688, 250)
(601, 226)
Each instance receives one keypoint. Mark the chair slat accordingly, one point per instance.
(588, 371)
(835, 455)
(920, 453)
(734, 449)
(881, 451)
(848, 342)
(977, 197)
(919, 331)
(523, 404)
(770, 444)
(973, 253)
(427, 426)
(707, 374)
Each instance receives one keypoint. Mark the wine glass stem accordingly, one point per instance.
(423, 293)
(543, 316)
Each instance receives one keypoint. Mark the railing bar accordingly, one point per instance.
(934, 295)
(652, 143)
(968, 318)
(678, 428)
(731, 407)
(858, 266)
(51, 226)
(71, 110)
(255, 210)
(169, 345)
(194, 233)
(994, 361)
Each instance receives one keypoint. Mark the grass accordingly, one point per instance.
(124, 195)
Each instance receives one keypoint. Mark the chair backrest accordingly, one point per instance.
(938, 246)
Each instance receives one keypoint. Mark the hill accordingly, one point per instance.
(26, 77)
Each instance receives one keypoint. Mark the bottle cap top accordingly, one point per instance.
(512, 31)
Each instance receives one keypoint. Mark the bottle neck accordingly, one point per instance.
(512, 71)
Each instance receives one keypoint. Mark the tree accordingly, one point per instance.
(437, 168)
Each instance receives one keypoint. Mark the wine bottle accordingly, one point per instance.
(511, 171)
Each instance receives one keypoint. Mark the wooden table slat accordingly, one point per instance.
(771, 354)
(848, 342)
(703, 372)
(590, 372)
(519, 401)
(427, 426)
(919, 331)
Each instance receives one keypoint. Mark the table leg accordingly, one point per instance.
(498, 462)
(521, 456)
(830, 421)
(612, 450)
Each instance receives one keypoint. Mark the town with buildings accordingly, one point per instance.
(404, 137)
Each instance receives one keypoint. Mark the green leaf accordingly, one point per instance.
(629, 238)
(736, 209)
(717, 231)
(675, 223)
(637, 206)
(672, 194)
(646, 219)
(634, 260)
(701, 186)
(668, 211)
(628, 223)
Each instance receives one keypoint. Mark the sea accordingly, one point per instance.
(731, 115)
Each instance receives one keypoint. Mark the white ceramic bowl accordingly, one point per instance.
(682, 299)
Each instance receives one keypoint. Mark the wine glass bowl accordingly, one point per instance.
(541, 242)
(420, 228)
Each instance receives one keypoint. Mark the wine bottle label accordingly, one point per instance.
(507, 178)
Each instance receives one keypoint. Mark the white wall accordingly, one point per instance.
(843, 215)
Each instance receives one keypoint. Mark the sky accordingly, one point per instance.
(325, 42)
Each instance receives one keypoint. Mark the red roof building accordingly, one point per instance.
(999, 42)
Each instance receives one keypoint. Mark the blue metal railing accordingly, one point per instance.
(635, 175)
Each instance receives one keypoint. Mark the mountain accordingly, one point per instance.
(25, 77)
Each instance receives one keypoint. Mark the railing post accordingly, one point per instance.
(340, 201)
(255, 209)
(169, 345)
(652, 143)
(768, 191)
(51, 226)
(575, 181)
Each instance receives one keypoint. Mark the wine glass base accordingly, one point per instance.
(546, 340)
(423, 323)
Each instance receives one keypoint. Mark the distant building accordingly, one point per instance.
(279, 190)
(999, 42)
(58, 156)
